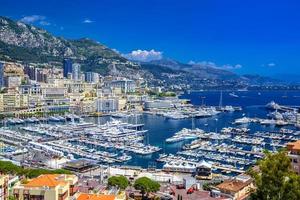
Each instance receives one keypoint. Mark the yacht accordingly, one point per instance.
(267, 121)
(243, 120)
(275, 115)
(273, 106)
(54, 119)
(281, 123)
(185, 134)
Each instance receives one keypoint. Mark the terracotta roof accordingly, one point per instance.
(233, 185)
(84, 196)
(50, 180)
(294, 145)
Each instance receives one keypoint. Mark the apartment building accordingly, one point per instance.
(3, 187)
(294, 154)
(47, 187)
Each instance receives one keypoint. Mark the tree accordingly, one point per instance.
(12, 198)
(275, 180)
(118, 181)
(146, 185)
(8, 167)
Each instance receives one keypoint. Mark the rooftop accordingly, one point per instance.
(47, 180)
(233, 185)
(295, 146)
(84, 196)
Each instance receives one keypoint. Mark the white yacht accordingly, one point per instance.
(243, 120)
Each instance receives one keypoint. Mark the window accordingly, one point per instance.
(36, 197)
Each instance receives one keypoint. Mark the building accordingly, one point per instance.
(67, 67)
(183, 167)
(294, 153)
(32, 89)
(125, 85)
(30, 71)
(12, 81)
(54, 92)
(91, 77)
(203, 170)
(76, 72)
(1, 75)
(47, 187)
(4, 187)
(107, 105)
(41, 75)
(238, 188)
(84, 196)
(13, 101)
(157, 104)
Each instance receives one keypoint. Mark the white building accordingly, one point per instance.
(107, 105)
(157, 104)
(125, 85)
(12, 81)
(91, 77)
(76, 72)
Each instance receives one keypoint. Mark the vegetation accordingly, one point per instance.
(162, 94)
(275, 180)
(12, 198)
(118, 181)
(167, 94)
(7, 167)
(32, 114)
(146, 185)
(209, 185)
(92, 55)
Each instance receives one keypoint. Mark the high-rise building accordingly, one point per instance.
(30, 71)
(91, 77)
(41, 76)
(67, 67)
(1, 75)
(76, 71)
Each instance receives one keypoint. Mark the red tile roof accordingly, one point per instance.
(95, 197)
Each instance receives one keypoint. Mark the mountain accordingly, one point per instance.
(27, 43)
(199, 71)
(255, 79)
(288, 78)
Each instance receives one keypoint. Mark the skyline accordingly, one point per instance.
(260, 38)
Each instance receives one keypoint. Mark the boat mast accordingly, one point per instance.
(193, 123)
(221, 99)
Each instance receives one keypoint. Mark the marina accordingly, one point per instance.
(229, 141)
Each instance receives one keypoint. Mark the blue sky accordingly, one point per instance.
(258, 36)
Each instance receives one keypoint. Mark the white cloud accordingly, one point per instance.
(144, 55)
(35, 19)
(229, 67)
(44, 23)
(271, 64)
(203, 63)
(87, 21)
(214, 65)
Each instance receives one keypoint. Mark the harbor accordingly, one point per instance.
(230, 141)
